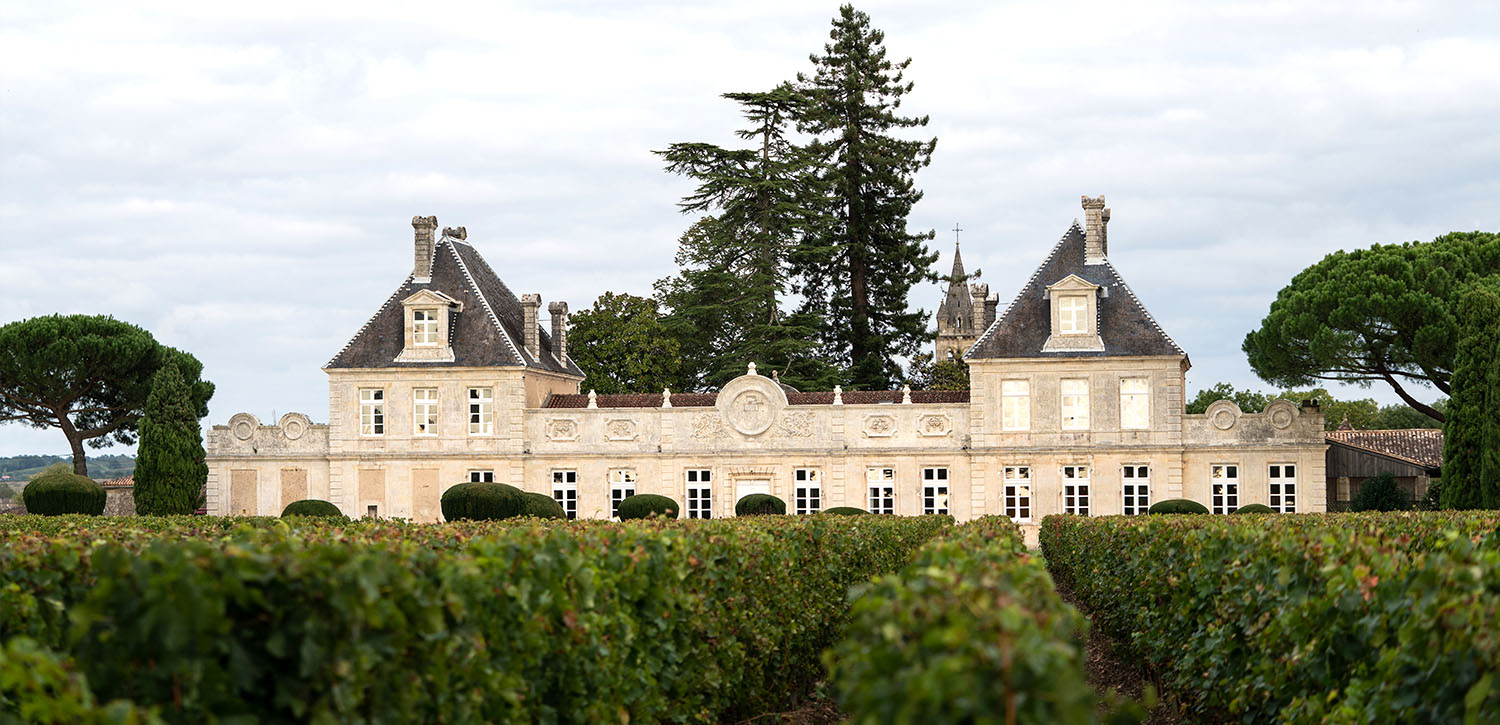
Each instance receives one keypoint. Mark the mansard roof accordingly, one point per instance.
(488, 332)
(1124, 325)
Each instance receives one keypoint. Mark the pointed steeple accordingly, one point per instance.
(956, 316)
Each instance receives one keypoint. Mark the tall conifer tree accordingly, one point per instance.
(1471, 434)
(169, 467)
(759, 203)
(859, 270)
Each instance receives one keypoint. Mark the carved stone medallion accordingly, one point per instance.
(880, 426)
(708, 425)
(620, 429)
(934, 425)
(750, 413)
(796, 425)
(1223, 414)
(1281, 413)
(293, 425)
(562, 429)
(243, 425)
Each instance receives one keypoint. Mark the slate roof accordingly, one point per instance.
(1124, 325)
(705, 400)
(488, 332)
(957, 303)
(1420, 446)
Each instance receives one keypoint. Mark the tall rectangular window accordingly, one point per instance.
(1076, 490)
(935, 491)
(1015, 405)
(371, 412)
(424, 327)
(1283, 488)
(1225, 479)
(621, 487)
(700, 493)
(424, 411)
(1075, 404)
(1018, 493)
(565, 491)
(481, 411)
(809, 485)
(481, 476)
(882, 489)
(1135, 403)
(1072, 315)
(1135, 491)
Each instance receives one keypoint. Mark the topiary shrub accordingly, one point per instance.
(543, 506)
(644, 505)
(845, 511)
(483, 502)
(760, 504)
(1380, 493)
(313, 507)
(1254, 508)
(1177, 506)
(58, 490)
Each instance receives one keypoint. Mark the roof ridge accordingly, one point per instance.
(1141, 306)
(495, 319)
(1376, 451)
(1029, 281)
(371, 321)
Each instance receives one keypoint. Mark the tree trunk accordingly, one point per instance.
(75, 441)
(1418, 405)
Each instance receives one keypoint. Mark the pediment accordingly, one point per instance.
(432, 297)
(1072, 283)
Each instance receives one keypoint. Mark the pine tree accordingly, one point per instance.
(169, 469)
(759, 204)
(1471, 434)
(859, 270)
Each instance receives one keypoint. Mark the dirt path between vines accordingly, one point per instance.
(1109, 669)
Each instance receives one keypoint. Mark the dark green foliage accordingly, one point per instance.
(622, 347)
(846, 511)
(1380, 493)
(760, 504)
(170, 470)
(1471, 435)
(1254, 508)
(1385, 314)
(858, 267)
(483, 502)
(646, 505)
(1177, 506)
(40, 686)
(312, 507)
(1363, 414)
(58, 491)
(543, 506)
(95, 370)
(923, 374)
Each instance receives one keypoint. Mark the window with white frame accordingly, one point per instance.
(809, 490)
(1075, 404)
(700, 493)
(1135, 489)
(424, 411)
(1225, 479)
(1015, 405)
(424, 327)
(371, 412)
(481, 411)
(882, 488)
(1135, 403)
(1018, 493)
(565, 491)
(1283, 488)
(935, 491)
(621, 487)
(1076, 490)
(481, 476)
(1072, 315)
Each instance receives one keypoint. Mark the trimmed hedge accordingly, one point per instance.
(1177, 506)
(646, 505)
(516, 621)
(846, 511)
(312, 507)
(543, 506)
(483, 502)
(760, 504)
(970, 631)
(1388, 617)
(1254, 508)
(58, 490)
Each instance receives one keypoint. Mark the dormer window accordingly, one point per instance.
(430, 315)
(1070, 315)
(1075, 312)
(424, 327)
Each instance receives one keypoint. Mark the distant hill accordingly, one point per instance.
(20, 469)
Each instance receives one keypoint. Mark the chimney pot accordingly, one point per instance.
(423, 228)
(559, 310)
(1095, 216)
(531, 305)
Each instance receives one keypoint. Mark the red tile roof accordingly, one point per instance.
(1422, 446)
(121, 482)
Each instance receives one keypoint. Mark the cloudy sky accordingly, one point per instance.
(240, 178)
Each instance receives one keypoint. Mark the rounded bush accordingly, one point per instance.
(644, 505)
(312, 507)
(1380, 493)
(543, 506)
(845, 511)
(483, 502)
(58, 490)
(1177, 506)
(1255, 508)
(760, 504)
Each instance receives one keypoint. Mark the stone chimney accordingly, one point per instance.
(979, 292)
(532, 305)
(423, 227)
(559, 310)
(990, 304)
(1095, 218)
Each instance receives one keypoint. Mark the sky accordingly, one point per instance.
(239, 179)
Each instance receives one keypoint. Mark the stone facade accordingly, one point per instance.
(1091, 424)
